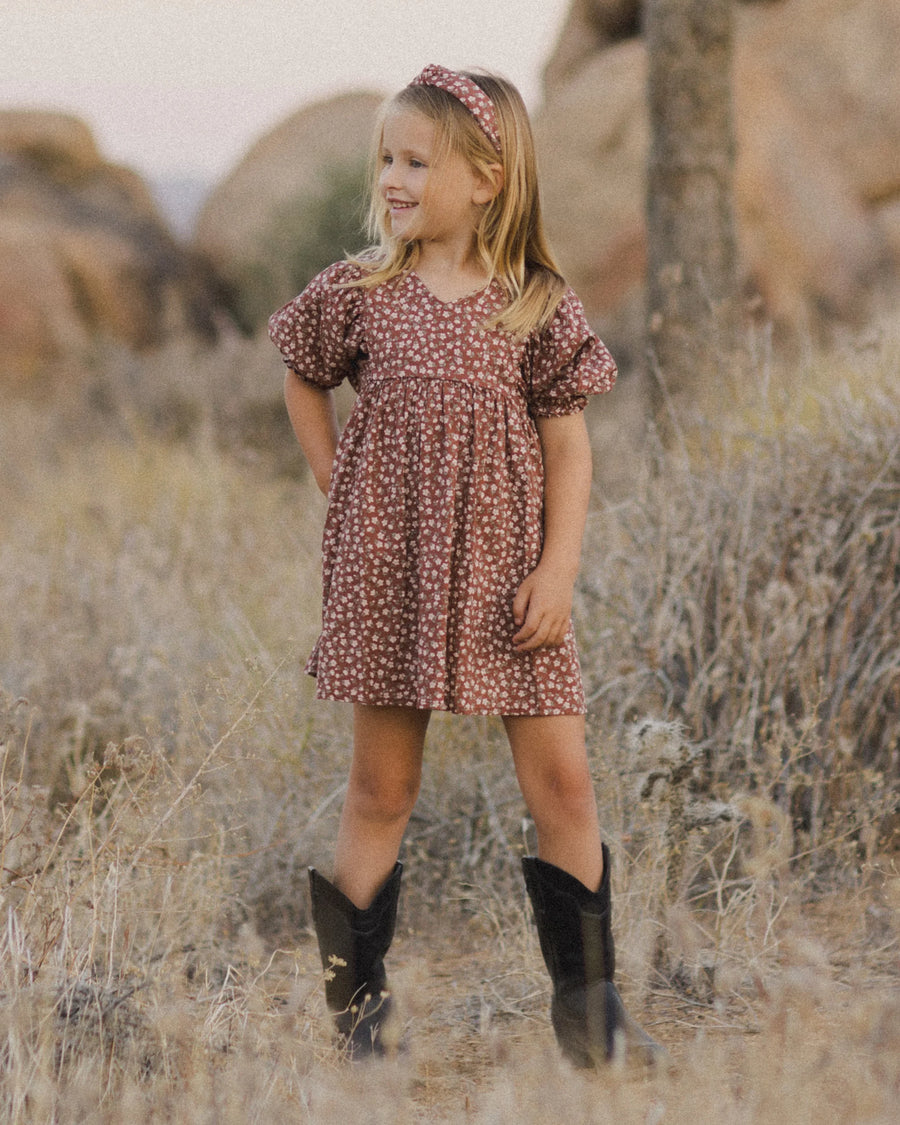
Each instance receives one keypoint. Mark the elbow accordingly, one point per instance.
(290, 384)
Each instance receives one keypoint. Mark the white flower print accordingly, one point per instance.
(436, 500)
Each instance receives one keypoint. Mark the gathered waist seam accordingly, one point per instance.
(500, 392)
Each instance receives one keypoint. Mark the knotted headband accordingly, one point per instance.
(466, 91)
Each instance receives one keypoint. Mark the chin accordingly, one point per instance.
(404, 231)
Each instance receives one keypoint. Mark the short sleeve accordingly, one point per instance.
(567, 362)
(319, 333)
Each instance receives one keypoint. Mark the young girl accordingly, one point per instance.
(457, 497)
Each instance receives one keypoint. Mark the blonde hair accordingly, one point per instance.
(510, 239)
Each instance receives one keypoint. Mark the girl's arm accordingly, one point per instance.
(543, 603)
(314, 419)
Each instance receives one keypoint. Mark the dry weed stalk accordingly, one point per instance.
(674, 782)
(672, 790)
(102, 906)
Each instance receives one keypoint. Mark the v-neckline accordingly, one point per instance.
(453, 300)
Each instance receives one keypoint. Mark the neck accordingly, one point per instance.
(450, 266)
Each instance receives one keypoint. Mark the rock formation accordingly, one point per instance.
(817, 179)
(290, 204)
(84, 253)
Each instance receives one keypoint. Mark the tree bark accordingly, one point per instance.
(692, 284)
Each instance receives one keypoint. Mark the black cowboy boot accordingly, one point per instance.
(575, 933)
(352, 943)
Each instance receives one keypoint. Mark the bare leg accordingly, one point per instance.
(551, 764)
(384, 783)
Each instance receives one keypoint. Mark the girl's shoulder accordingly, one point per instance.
(566, 318)
(320, 332)
(331, 303)
(568, 361)
(339, 275)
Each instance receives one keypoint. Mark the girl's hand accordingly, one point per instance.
(542, 610)
(542, 607)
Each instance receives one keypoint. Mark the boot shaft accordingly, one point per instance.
(353, 942)
(574, 924)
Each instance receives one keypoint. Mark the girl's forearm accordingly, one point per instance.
(567, 488)
(314, 421)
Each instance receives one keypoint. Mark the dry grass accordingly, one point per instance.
(166, 778)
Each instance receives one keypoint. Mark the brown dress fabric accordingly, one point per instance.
(436, 499)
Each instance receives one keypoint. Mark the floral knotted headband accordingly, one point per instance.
(466, 91)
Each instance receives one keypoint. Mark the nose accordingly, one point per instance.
(389, 177)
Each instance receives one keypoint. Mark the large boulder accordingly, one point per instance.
(817, 178)
(84, 254)
(291, 206)
(590, 26)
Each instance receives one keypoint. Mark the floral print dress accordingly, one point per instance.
(435, 506)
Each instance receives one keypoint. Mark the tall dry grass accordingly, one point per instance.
(166, 776)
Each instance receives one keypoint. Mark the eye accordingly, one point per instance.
(417, 163)
(386, 158)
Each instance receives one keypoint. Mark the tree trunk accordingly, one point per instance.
(692, 257)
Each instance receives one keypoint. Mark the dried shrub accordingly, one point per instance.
(753, 595)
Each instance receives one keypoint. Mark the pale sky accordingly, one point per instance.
(184, 87)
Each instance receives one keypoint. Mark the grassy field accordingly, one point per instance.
(167, 777)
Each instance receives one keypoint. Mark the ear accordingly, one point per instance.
(489, 186)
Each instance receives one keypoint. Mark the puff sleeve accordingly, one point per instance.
(319, 333)
(567, 361)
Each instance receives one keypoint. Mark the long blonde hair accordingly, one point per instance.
(510, 239)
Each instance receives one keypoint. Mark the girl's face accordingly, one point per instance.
(425, 202)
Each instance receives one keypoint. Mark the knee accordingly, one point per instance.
(563, 793)
(383, 795)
